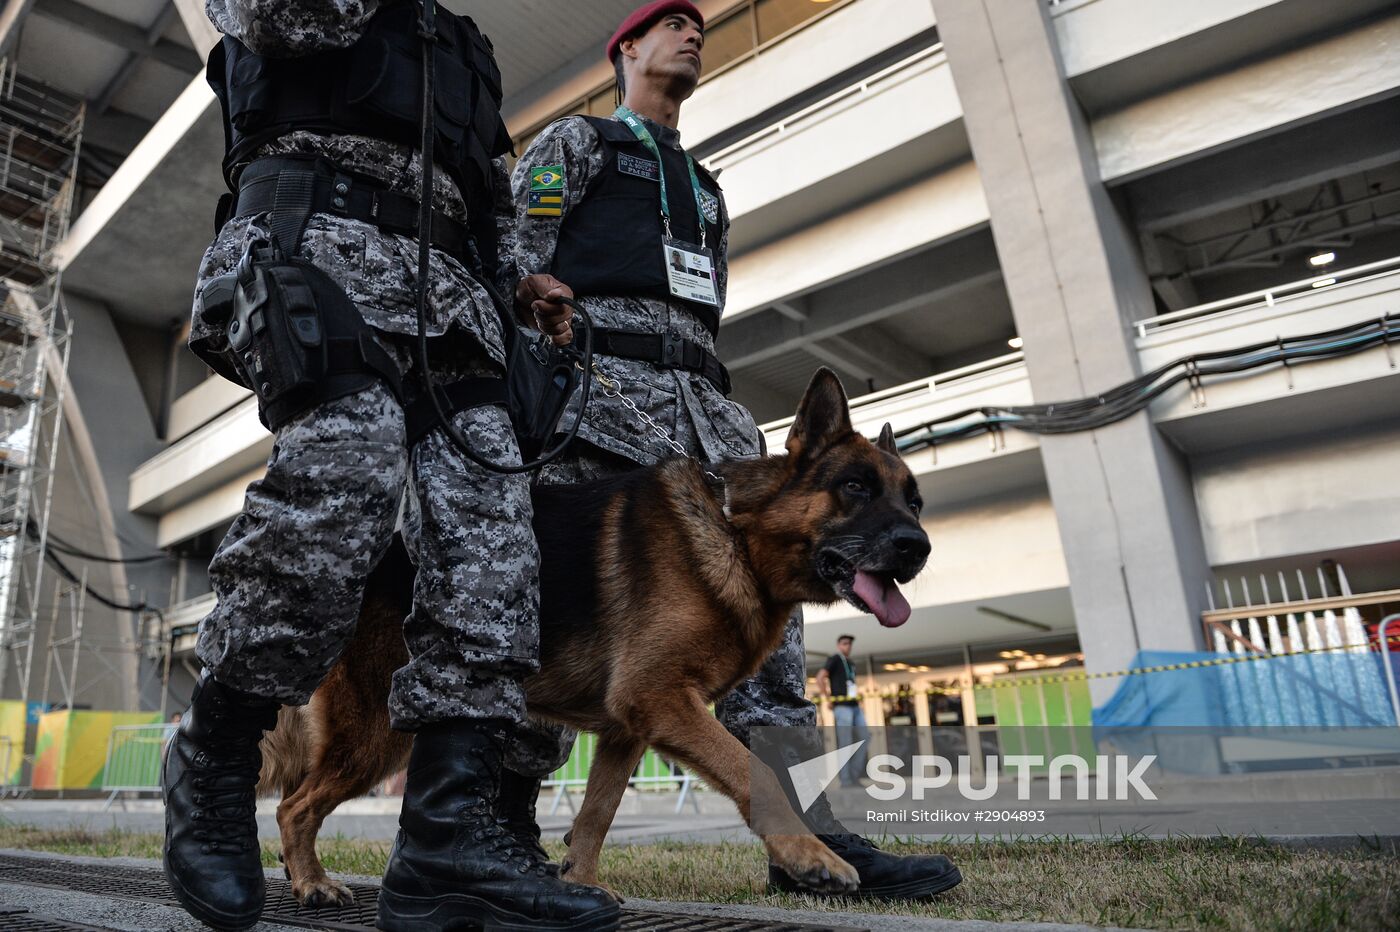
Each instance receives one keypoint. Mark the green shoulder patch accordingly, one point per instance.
(547, 178)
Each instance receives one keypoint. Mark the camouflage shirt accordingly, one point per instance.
(686, 404)
(376, 269)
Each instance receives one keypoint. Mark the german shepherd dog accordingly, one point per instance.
(658, 596)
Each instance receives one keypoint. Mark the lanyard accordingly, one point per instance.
(639, 129)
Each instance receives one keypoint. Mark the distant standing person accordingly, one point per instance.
(838, 680)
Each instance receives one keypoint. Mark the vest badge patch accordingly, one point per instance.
(710, 205)
(638, 168)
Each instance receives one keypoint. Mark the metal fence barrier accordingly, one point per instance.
(133, 759)
(1383, 636)
(654, 773)
(134, 755)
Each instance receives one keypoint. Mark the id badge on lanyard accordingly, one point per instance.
(852, 687)
(690, 271)
(690, 267)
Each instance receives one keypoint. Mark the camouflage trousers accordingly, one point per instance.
(775, 695)
(291, 572)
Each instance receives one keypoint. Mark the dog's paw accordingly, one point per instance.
(610, 892)
(573, 872)
(815, 866)
(322, 893)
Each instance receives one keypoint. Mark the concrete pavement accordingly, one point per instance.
(642, 817)
(1361, 805)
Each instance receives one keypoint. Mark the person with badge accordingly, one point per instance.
(613, 210)
(837, 679)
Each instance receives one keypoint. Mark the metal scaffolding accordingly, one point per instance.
(40, 136)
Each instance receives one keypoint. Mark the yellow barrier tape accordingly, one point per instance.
(1029, 678)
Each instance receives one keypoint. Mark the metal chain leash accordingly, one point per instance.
(612, 388)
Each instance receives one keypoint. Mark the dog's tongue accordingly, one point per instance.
(887, 603)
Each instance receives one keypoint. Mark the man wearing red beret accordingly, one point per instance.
(614, 211)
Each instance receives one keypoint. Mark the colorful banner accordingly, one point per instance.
(12, 732)
(70, 752)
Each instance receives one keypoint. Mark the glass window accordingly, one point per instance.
(776, 17)
(728, 40)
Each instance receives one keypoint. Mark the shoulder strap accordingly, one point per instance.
(611, 130)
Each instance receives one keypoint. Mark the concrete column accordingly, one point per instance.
(1123, 496)
(110, 432)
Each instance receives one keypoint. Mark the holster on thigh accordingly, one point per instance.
(293, 336)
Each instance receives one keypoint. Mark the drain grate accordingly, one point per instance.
(22, 920)
(149, 885)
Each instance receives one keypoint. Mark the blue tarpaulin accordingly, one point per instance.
(1322, 689)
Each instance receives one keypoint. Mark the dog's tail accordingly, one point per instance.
(286, 753)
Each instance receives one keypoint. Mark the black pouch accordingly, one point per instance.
(540, 379)
(274, 332)
(295, 338)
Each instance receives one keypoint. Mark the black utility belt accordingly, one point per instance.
(663, 350)
(341, 194)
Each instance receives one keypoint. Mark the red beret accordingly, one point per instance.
(643, 18)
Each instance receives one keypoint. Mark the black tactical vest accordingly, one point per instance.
(610, 242)
(373, 88)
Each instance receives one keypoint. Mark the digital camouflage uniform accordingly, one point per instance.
(612, 438)
(290, 574)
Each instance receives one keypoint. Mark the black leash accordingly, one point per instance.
(428, 32)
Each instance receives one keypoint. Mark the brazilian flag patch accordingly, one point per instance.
(546, 191)
(547, 178)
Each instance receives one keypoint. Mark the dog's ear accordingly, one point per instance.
(886, 441)
(823, 415)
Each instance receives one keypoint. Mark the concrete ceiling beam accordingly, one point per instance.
(11, 18)
(133, 60)
(1268, 167)
(874, 356)
(908, 284)
(120, 33)
(201, 31)
(793, 308)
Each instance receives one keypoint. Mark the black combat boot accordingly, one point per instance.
(211, 830)
(455, 866)
(515, 812)
(882, 875)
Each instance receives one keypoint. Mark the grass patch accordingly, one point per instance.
(1129, 881)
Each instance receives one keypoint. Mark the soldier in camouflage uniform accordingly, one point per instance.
(656, 54)
(290, 573)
